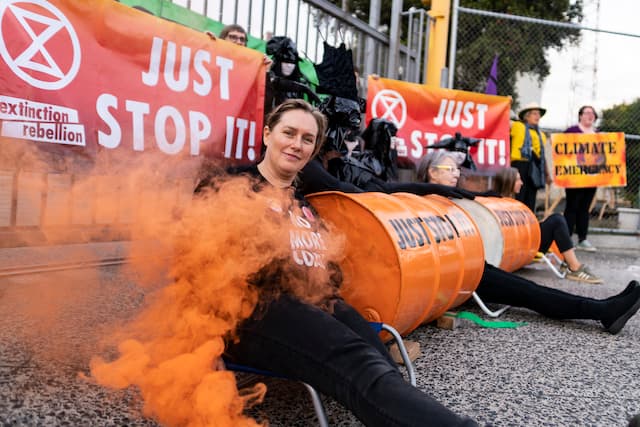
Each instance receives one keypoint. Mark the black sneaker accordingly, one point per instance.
(613, 326)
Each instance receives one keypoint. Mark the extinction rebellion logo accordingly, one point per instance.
(40, 46)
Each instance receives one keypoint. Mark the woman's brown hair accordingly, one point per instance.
(504, 181)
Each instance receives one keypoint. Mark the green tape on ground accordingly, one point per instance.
(494, 324)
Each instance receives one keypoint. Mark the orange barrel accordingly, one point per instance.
(393, 265)
(459, 245)
(390, 269)
(510, 231)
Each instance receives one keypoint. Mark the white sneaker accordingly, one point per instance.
(585, 245)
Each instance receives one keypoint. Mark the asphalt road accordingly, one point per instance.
(547, 373)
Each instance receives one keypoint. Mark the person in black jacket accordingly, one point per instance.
(335, 351)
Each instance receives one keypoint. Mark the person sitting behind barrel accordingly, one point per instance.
(507, 182)
(501, 287)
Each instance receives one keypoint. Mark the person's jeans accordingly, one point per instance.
(340, 355)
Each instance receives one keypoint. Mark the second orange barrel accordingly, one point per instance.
(510, 231)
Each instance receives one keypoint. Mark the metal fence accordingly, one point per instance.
(561, 76)
(394, 50)
(47, 197)
(41, 202)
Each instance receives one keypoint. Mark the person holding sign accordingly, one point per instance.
(507, 183)
(236, 34)
(578, 200)
(527, 153)
(501, 287)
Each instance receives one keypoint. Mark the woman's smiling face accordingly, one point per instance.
(291, 142)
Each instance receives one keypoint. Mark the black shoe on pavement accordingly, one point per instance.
(630, 287)
(635, 421)
(629, 306)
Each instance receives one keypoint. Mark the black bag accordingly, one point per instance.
(536, 173)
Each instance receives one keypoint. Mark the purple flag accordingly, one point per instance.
(492, 81)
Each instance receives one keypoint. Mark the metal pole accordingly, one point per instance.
(235, 13)
(427, 36)
(453, 40)
(262, 20)
(407, 58)
(286, 18)
(297, 20)
(418, 61)
(394, 39)
(370, 45)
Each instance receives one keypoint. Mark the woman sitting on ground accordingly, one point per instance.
(501, 287)
(507, 183)
(333, 350)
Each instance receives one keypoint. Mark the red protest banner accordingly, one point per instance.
(100, 75)
(425, 114)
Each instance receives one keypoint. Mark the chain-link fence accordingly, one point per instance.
(562, 67)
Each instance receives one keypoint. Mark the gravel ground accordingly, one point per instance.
(547, 373)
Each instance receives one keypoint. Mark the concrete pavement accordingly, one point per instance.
(547, 373)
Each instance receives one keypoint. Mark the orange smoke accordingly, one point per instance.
(171, 350)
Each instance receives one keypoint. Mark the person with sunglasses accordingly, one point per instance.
(501, 287)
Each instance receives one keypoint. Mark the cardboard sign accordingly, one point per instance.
(425, 115)
(100, 75)
(589, 159)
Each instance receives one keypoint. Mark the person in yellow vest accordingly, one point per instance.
(527, 153)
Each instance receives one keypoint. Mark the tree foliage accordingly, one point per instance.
(521, 46)
(624, 118)
(361, 8)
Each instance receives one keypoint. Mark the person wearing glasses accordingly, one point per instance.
(236, 34)
(501, 287)
(440, 167)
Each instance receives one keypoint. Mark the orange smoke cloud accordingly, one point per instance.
(170, 351)
(211, 246)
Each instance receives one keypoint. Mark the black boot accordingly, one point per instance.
(630, 287)
(621, 308)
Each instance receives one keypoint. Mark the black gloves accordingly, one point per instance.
(489, 193)
(447, 191)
